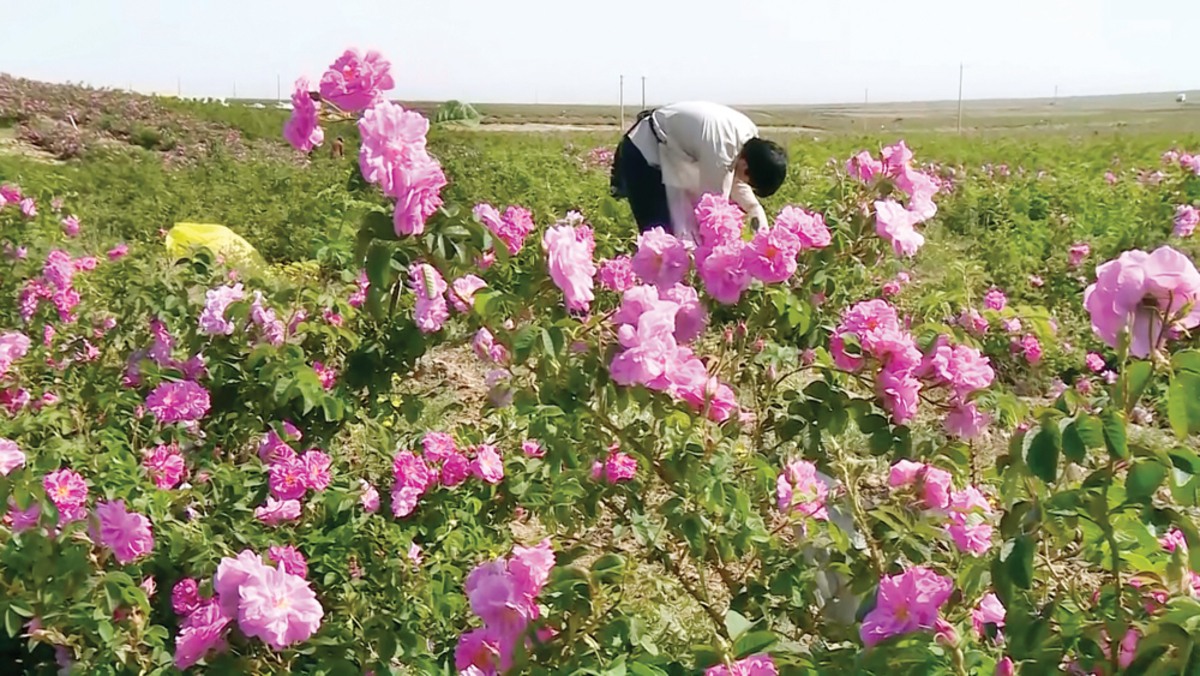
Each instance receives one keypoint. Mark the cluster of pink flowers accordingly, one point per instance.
(755, 665)
(1150, 296)
(274, 604)
(616, 468)
(906, 602)
(212, 319)
(503, 593)
(512, 228)
(1186, 219)
(874, 325)
(893, 221)
(968, 509)
(569, 246)
(801, 489)
(355, 80)
(964, 370)
(653, 322)
(54, 285)
(394, 156)
(1187, 161)
(165, 464)
(442, 462)
(303, 128)
(160, 352)
(727, 264)
(291, 477)
(184, 401)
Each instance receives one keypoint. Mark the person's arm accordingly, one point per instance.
(744, 197)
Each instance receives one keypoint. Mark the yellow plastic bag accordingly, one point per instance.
(221, 241)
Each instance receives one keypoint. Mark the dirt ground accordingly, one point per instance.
(11, 145)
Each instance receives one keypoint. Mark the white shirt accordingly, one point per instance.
(697, 146)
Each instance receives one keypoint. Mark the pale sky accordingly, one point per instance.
(568, 51)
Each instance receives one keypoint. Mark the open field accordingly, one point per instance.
(1151, 112)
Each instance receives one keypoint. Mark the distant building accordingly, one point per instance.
(1182, 98)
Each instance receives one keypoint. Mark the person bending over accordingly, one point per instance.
(675, 154)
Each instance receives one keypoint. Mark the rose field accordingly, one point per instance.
(439, 408)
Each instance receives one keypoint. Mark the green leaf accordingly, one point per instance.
(737, 624)
(12, 622)
(1041, 455)
(379, 263)
(1017, 558)
(1144, 479)
(754, 642)
(333, 408)
(1073, 445)
(105, 629)
(380, 225)
(1133, 383)
(608, 568)
(1114, 433)
(1183, 403)
(1091, 431)
(1186, 361)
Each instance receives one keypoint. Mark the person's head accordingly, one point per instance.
(763, 165)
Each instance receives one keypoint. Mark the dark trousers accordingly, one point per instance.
(642, 184)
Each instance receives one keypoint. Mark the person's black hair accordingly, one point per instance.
(766, 165)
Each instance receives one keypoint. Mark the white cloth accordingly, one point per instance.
(696, 146)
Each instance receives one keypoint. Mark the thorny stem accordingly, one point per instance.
(1114, 641)
(856, 507)
(669, 563)
(673, 567)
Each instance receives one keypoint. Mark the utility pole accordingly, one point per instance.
(178, 87)
(278, 89)
(235, 89)
(643, 92)
(960, 83)
(622, 102)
